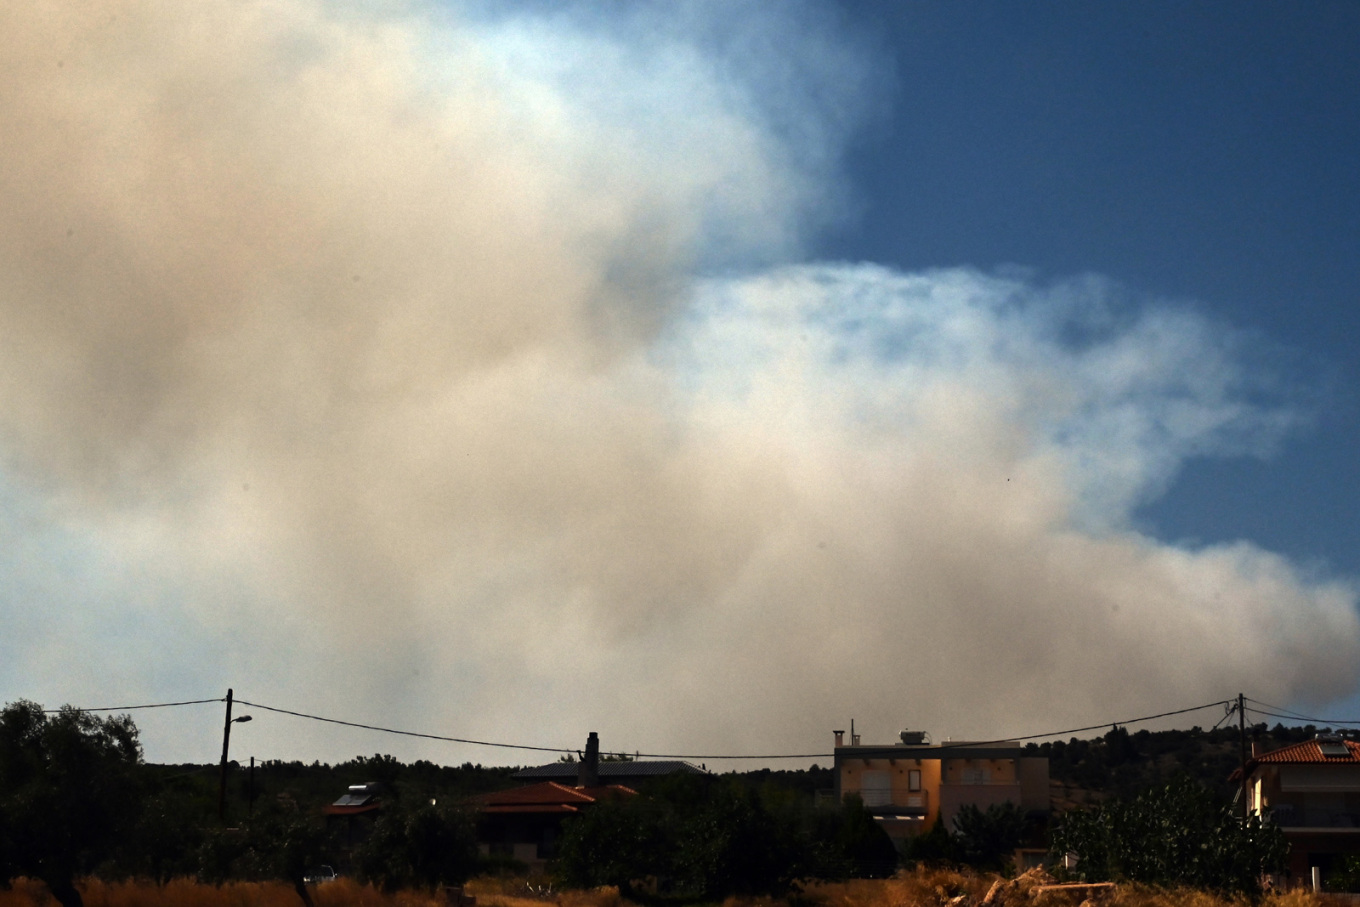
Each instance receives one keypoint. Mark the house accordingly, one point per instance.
(1312, 791)
(357, 808)
(910, 785)
(525, 823)
(631, 773)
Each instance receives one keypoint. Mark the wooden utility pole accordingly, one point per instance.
(1242, 729)
(226, 740)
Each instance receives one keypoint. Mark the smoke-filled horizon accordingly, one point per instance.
(461, 372)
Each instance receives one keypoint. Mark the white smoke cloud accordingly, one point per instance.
(363, 362)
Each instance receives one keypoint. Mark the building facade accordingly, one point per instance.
(909, 786)
(1312, 791)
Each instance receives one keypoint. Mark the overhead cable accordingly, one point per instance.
(1324, 722)
(767, 756)
(388, 730)
(547, 749)
(512, 746)
(1227, 713)
(1096, 727)
(1276, 711)
(131, 708)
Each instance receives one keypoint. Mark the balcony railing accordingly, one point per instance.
(912, 804)
(1308, 818)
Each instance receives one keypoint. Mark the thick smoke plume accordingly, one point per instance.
(375, 364)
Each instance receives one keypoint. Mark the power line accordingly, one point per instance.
(132, 708)
(766, 756)
(1104, 724)
(1227, 713)
(1281, 712)
(547, 749)
(513, 746)
(1330, 722)
(388, 730)
(1278, 708)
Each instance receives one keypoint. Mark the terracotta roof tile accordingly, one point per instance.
(1310, 752)
(550, 794)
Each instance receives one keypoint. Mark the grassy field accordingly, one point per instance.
(915, 889)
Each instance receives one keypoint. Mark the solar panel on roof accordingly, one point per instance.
(1332, 747)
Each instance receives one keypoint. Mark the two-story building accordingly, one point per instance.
(910, 785)
(1312, 791)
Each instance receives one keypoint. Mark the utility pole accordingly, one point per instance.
(1242, 730)
(226, 739)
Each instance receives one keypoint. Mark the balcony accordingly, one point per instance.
(1289, 816)
(916, 803)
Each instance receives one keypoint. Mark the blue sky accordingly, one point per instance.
(428, 365)
(1200, 153)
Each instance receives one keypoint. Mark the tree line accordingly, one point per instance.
(76, 800)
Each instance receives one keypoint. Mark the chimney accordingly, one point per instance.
(840, 737)
(588, 775)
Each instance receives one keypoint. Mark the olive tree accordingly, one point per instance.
(67, 789)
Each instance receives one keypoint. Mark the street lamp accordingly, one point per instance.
(226, 740)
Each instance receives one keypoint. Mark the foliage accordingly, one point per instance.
(986, 839)
(936, 848)
(733, 845)
(615, 843)
(861, 842)
(273, 846)
(703, 837)
(67, 789)
(426, 847)
(164, 841)
(1345, 877)
(1180, 834)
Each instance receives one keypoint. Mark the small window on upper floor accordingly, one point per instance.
(914, 780)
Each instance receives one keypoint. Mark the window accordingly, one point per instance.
(875, 788)
(914, 779)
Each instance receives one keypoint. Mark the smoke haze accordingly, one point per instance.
(458, 371)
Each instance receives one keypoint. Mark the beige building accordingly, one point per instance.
(1312, 791)
(910, 785)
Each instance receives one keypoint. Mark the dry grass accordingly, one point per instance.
(187, 893)
(925, 888)
(512, 893)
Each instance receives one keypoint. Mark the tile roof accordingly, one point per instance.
(1310, 751)
(549, 796)
(637, 769)
(336, 809)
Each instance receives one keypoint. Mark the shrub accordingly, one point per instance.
(1180, 834)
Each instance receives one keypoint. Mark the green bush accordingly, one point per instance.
(711, 838)
(1180, 834)
(987, 839)
(426, 847)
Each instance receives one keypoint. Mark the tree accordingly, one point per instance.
(698, 836)
(273, 845)
(1180, 834)
(429, 846)
(848, 842)
(986, 839)
(617, 842)
(732, 845)
(67, 789)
